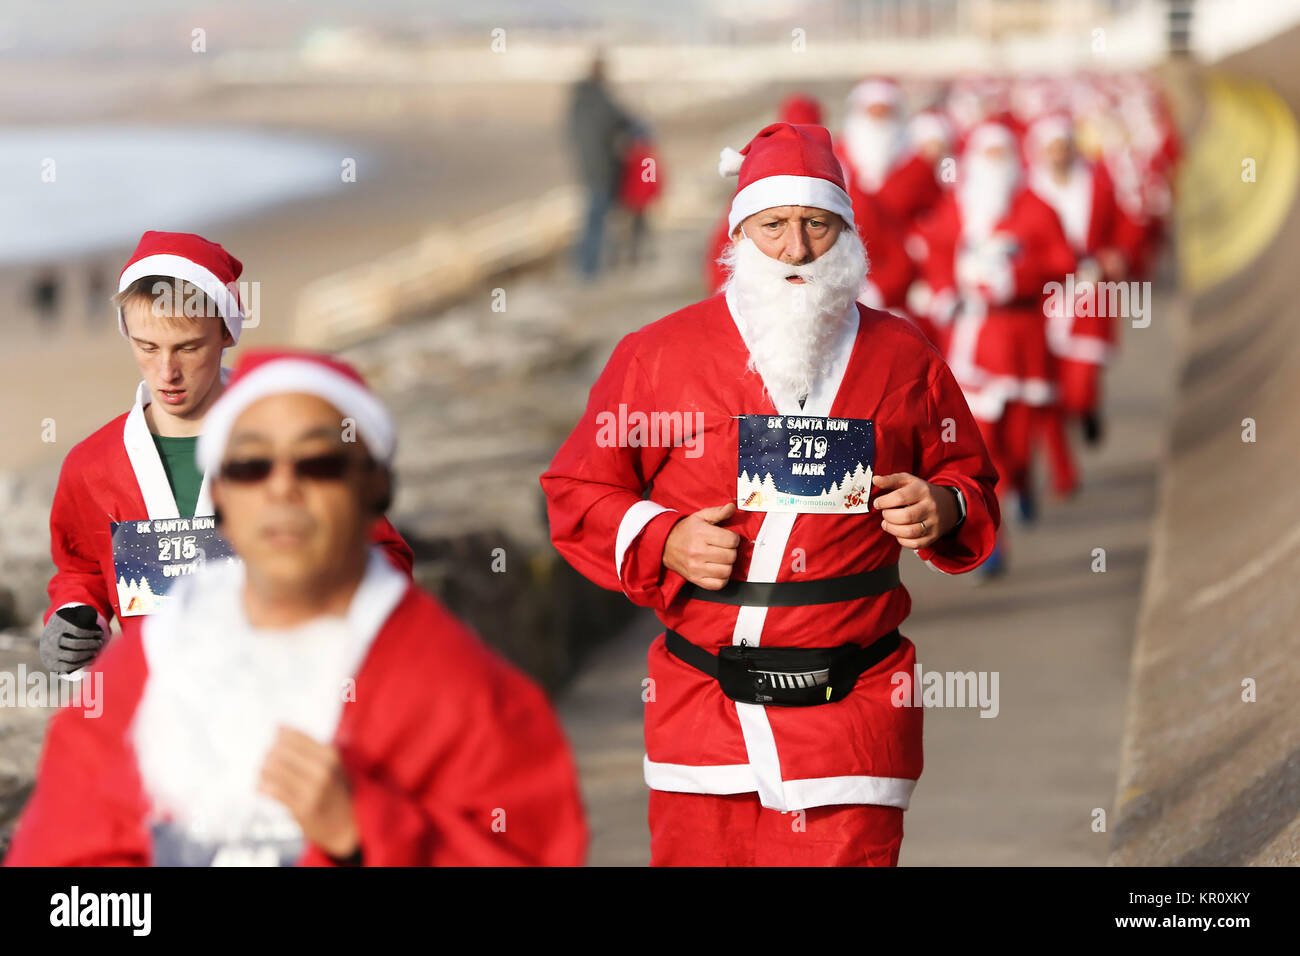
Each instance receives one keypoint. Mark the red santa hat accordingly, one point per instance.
(183, 255)
(786, 165)
(260, 373)
(1046, 130)
(991, 134)
(800, 109)
(928, 126)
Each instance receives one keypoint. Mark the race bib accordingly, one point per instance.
(804, 464)
(150, 556)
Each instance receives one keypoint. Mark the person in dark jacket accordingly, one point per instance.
(600, 130)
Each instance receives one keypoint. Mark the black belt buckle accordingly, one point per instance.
(786, 676)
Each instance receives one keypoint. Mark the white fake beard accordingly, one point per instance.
(214, 701)
(984, 194)
(791, 329)
(872, 145)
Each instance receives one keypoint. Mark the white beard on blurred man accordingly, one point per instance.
(873, 145)
(985, 191)
(791, 328)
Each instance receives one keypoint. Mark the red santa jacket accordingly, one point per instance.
(891, 269)
(998, 343)
(908, 191)
(1089, 216)
(612, 505)
(117, 475)
(452, 756)
(1084, 203)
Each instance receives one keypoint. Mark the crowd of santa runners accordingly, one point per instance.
(300, 699)
(999, 213)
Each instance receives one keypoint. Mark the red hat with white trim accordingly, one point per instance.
(260, 373)
(1047, 129)
(877, 91)
(786, 165)
(183, 255)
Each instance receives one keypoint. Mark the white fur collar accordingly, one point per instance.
(1072, 200)
(217, 689)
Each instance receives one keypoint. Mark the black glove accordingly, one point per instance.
(71, 639)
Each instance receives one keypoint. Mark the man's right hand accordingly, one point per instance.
(700, 552)
(71, 639)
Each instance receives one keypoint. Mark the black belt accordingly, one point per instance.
(785, 676)
(850, 587)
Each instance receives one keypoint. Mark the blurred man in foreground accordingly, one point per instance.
(311, 704)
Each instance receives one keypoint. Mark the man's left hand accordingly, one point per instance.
(914, 511)
(308, 778)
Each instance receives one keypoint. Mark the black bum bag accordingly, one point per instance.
(785, 676)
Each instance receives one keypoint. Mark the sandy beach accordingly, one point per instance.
(428, 159)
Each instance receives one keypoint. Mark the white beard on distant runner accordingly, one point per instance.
(873, 145)
(791, 328)
(984, 194)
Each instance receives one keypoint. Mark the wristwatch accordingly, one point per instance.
(961, 506)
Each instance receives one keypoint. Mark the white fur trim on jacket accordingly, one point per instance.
(629, 529)
(217, 690)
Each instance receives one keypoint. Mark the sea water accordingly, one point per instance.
(68, 190)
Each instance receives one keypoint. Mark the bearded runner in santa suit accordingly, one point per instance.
(773, 689)
(179, 307)
(879, 157)
(311, 704)
(991, 248)
(1083, 196)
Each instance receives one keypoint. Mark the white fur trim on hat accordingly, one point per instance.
(178, 267)
(789, 191)
(874, 92)
(283, 376)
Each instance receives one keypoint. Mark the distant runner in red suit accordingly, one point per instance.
(1083, 339)
(991, 248)
(879, 159)
(889, 272)
(311, 704)
(751, 467)
(179, 307)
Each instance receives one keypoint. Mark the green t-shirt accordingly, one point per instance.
(183, 473)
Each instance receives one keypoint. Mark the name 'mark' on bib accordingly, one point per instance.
(805, 464)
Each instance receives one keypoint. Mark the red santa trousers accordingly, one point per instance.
(705, 829)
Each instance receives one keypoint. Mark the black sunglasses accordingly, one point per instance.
(330, 466)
